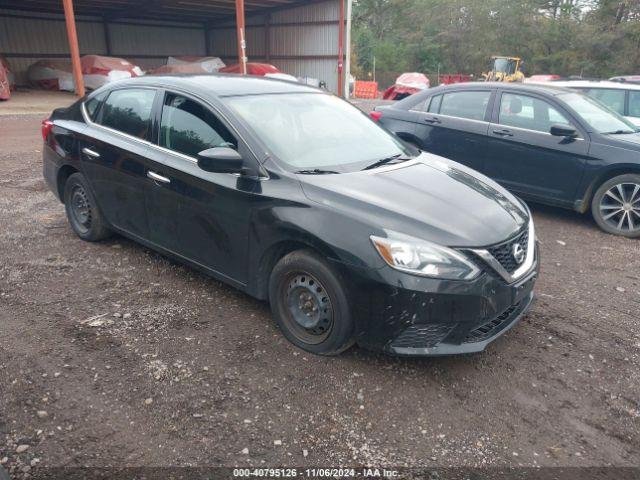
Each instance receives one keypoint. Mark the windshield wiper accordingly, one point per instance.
(385, 161)
(316, 171)
(620, 132)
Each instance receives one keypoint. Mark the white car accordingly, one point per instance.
(623, 98)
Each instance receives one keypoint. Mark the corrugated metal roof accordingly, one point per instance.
(177, 10)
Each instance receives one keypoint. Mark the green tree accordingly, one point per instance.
(597, 38)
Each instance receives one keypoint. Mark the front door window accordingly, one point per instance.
(188, 127)
(523, 111)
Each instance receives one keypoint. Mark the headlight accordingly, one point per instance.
(420, 257)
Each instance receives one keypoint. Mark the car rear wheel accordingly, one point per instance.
(310, 305)
(82, 210)
(616, 206)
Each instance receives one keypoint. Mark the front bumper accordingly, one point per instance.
(405, 314)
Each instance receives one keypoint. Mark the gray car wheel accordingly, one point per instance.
(616, 206)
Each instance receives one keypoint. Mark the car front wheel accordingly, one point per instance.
(616, 206)
(310, 305)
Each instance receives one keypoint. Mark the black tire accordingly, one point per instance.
(622, 191)
(300, 282)
(83, 212)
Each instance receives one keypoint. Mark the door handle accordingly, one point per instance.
(157, 178)
(503, 133)
(432, 120)
(90, 153)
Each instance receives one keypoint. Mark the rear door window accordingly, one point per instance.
(188, 127)
(612, 98)
(471, 105)
(530, 113)
(129, 111)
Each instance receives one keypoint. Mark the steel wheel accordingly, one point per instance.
(81, 208)
(620, 207)
(309, 314)
(83, 212)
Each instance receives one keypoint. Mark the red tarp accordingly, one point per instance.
(98, 70)
(406, 84)
(98, 65)
(179, 68)
(12, 79)
(5, 93)
(208, 64)
(51, 74)
(259, 69)
(7, 80)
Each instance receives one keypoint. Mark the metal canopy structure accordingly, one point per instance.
(210, 11)
(211, 17)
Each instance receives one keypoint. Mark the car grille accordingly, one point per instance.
(422, 336)
(491, 328)
(503, 252)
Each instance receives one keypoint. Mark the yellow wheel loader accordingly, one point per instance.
(505, 69)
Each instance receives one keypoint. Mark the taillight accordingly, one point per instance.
(47, 125)
(375, 115)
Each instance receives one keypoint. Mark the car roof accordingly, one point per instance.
(533, 87)
(596, 84)
(219, 84)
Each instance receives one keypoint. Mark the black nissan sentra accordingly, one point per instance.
(296, 197)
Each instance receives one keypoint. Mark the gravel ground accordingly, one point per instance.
(33, 101)
(111, 354)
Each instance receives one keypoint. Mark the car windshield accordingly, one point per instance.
(316, 132)
(599, 117)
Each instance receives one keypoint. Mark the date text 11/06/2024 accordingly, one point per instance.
(314, 473)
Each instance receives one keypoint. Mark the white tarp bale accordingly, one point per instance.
(94, 81)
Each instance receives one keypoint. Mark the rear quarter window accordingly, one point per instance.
(92, 105)
(434, 105)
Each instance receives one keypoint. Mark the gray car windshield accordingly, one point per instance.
(315, 131)
(599, 117)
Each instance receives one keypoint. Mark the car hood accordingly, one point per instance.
(429, 197)
(628, 140)
(634, 120)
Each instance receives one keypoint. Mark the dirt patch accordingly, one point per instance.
(136, 360)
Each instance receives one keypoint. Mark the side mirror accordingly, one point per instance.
(563, 131)
(220, 160)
